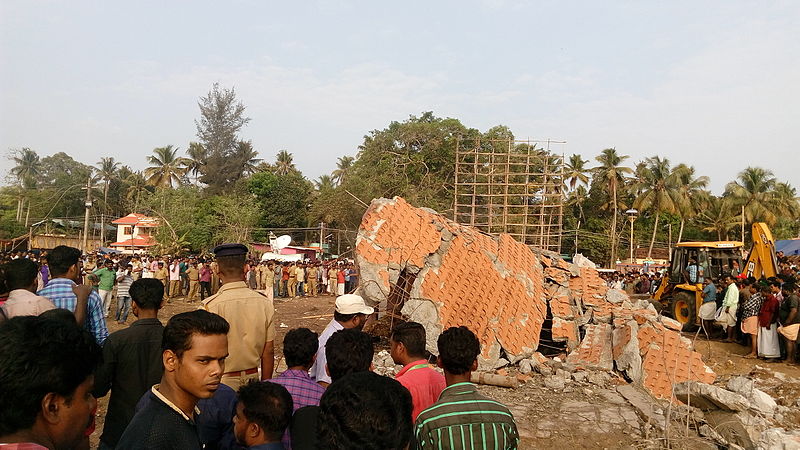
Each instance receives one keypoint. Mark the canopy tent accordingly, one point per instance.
(788, 246)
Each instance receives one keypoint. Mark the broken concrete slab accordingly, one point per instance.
(708, 397)
(759, 400)
(644, 405)
(627, 358)
(595, 351)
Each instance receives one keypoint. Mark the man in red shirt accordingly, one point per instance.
(407, 347)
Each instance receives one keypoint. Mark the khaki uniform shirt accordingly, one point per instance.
(312, 273)
(193, 274)
(300, 274)
(250, 316)
(268, 277)
(162, 274)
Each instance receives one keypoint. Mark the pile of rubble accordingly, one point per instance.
(418, 265)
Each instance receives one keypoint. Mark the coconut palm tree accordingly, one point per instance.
(197, 157)
(753, 193)
(718, 217)
(106, 169)
(324, 183)
(27, 169)
(786, 201)
(693, 196)
(343, 166)
(575, 171)
(246, 156)
(612, 173)
(283, 163)
(658, 188)
(166, 167)
(137, 187)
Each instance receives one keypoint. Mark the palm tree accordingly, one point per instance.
(137, 186)
(612, 173)
(165, 167)
(198, 157)
(283, 163)
(693, 196)
(575, 171)
(718, 217)
(106, 169)
(658, 189)
(786, 201)
(28, 167)
(343, 166)
(324, 183)
(753, 193)
(246, 157)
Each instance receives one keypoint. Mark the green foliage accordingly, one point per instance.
(283, 199)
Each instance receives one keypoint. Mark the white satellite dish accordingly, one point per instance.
(281, 242)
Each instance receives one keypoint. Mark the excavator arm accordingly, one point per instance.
(761, 263)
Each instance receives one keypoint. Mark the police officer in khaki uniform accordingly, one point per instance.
(194, 281)
(250, 315)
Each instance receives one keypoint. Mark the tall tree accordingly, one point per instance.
(222, 117)
(575, 171)
(659, 191)
(136, 190)
(107, 170)
(343, 166)
(283, 163)
(245, 158)
(693, 196)
(166, 167)
(324, 183)
(197, 156)
(612, 173)
(753, 192)
(26, 170)
(718, 217)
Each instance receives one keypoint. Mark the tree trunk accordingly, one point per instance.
(653, 238)
(103, 215)
(680, 232)
(613, 227)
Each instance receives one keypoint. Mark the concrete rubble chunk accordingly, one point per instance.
(708, 397)
(616, 296)
(626, 350)
(595, 351)
(779, 439)
(759, 400)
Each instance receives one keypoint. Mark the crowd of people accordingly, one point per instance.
(205, 379)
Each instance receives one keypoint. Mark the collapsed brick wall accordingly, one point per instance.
(456, 275)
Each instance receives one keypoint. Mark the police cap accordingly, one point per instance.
(230, 250)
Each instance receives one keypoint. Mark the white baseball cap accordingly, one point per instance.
(352, 304)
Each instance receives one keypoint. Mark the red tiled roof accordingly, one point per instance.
(137, 219)
(137, 242)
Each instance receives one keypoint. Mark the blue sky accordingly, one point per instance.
(712, 84)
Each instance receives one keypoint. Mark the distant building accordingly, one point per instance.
(135, 233)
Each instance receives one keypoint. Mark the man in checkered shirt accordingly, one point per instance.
(65, 269)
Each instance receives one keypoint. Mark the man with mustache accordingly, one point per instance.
(195, 345)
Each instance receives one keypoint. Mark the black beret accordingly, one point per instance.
(230, 250)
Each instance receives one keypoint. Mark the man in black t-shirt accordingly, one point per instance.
(195, 345)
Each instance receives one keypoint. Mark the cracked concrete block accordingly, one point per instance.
(759, 400)
(626, 350)
(596, 350)
(616, 296)
(707, 397)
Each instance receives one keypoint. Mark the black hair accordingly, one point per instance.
(366, 411)
(269, 405)
(342, 318)
(61, 258)
(180, 328)
(59, 314)
(458, 349)
(412, 336)
(147, 293)
(348, 351)
(299, 347)
(789, 287)
(20, 273)
(39, 355)
(231, 265)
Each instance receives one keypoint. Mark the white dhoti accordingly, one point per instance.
(708, 311)
(768, 342)
(727, 317)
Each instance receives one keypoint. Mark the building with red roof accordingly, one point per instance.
(135, 233)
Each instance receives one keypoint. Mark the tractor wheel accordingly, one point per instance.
(683, 310)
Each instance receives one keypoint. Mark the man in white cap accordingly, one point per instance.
(350, 312)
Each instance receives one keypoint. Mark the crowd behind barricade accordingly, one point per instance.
(205, 379)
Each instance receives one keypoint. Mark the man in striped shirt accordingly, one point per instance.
(463, 418)
(65, 268)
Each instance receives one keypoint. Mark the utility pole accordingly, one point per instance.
(321, 234)
(88, 205)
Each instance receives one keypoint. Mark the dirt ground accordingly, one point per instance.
(581, 415)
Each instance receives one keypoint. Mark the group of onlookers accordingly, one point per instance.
(205, 380)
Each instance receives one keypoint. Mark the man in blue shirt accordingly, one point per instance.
(262, 415)
(65, 270)
(708, 311)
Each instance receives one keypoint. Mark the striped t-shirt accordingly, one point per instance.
(124, 285)
(465, 419)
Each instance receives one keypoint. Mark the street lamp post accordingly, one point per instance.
(632, 214)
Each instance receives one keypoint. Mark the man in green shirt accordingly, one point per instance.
(107, 277)
(730, 303)
(463, 418)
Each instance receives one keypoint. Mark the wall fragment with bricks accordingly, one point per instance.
(418, 265)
